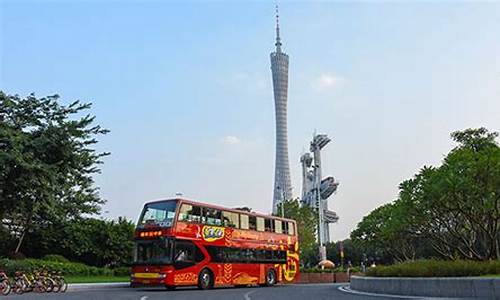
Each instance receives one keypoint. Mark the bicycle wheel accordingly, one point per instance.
(5, 287)
(39, 287)
(64, 285)
(57, 285)
(18, 286)
(49, 284)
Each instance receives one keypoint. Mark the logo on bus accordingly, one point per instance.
(212, 233)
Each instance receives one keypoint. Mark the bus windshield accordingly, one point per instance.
(158, 213)
(153, 252)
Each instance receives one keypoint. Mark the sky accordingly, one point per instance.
(185, 88)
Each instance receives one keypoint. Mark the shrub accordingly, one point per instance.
(121, 271)
(436, 268)
(67, 268)
(55, 257)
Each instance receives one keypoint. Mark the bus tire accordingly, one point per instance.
(205, 280)
(270, 277)
(170, 287)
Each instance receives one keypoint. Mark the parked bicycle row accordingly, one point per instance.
(40, 282)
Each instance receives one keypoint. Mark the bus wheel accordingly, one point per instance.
(270, 277)
(205, 280)
(170, 287)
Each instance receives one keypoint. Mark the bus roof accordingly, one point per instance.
(193, 202)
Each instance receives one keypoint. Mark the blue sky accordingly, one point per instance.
(185, 88)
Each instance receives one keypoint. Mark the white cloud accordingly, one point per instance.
(230, 140)
(327, 81)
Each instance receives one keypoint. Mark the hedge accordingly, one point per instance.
(336, 270)
(67, 268)
(437, 268)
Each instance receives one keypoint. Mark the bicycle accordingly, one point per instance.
(5, 286)
(60, 282)
(47, 281)
(19, 284)
(30, 282)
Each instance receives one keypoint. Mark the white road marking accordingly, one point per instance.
(144, 297)
(247, 295)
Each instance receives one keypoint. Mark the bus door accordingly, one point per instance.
(186, 259)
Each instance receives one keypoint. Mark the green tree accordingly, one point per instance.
(46, 163)
(452, 210)
(462, 199)
(352, 252)
(92, 241)
(306, 229)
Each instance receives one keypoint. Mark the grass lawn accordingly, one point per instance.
(492, 276)
(96, 279)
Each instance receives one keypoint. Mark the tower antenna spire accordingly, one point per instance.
(278, 39)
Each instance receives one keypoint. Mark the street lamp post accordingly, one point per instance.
(283, 204)
(282, 201)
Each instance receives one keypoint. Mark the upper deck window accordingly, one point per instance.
(277, 226)
(190, 213)
(291, 228)
(231, 219)
(260, 224)
(214, 216)
(269, 225)
(244, 221)
(252, 221)
(158, 213)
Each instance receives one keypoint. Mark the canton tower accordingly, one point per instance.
(279, 68)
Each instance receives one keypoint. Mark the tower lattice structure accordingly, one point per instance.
(279, 68)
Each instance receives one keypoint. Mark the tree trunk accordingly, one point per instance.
(20, 242)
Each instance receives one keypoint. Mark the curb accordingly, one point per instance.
(95, 286)
(454, 287)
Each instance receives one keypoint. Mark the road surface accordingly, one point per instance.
(281, 292)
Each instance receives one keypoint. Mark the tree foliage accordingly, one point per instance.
(92, 241)
(352, 253)
(451, 211)
(46, 163)
(306, 229)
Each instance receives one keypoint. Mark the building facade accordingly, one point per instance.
(279, 68)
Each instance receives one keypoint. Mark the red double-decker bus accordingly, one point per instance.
(180, 242)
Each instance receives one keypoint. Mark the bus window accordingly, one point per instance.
(252, 221)
(244, 221)
(184, 212)
(190, 213)
(285, 227)
(184, 251)
(279, 256)
(213, 216)
(158, 213)
(260, 224)
(231, 219)
(269, 255)
(186, 254)
(291, 228)
(277, 226)
(268, 225)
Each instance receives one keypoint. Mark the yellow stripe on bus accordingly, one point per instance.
(146, 275)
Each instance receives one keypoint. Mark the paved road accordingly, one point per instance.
(285, 292)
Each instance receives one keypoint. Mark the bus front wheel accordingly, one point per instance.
(205, 280)
(270, 277)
